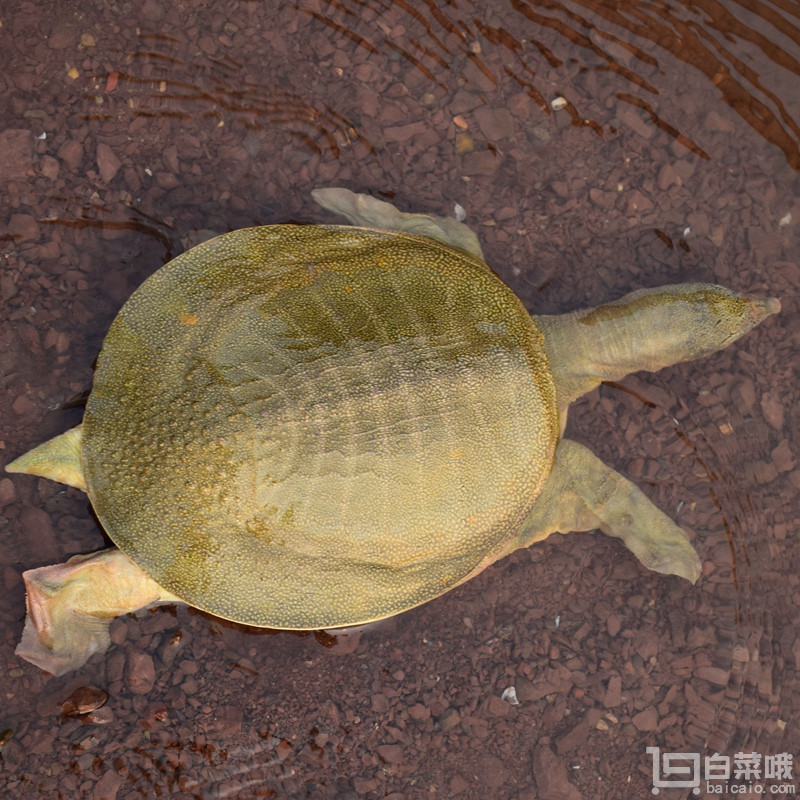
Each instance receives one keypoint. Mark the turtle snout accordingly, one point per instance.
(760, 309)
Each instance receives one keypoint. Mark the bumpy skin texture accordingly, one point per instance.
(326, 425)
(317, 426)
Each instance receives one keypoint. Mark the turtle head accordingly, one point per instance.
(712, 317)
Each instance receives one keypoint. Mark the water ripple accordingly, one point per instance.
(632, 45)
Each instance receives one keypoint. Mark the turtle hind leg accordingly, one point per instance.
(71, 606)
(368, 211)
(582, 493)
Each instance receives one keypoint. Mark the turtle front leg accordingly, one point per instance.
(582, 494)
(70, 607)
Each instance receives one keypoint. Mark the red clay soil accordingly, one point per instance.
(126, 138)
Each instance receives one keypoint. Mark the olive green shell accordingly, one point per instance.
(313, 426)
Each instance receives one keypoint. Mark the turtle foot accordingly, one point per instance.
(69, 646)
(71, 606)
(583, 494)
(648, 533)
(363, 209)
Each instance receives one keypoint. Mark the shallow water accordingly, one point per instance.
(596, 148)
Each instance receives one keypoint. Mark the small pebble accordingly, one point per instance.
(510, 696)
(8, 492)
(83, 700)
(71, 154)
(140, 672)
(107, 162)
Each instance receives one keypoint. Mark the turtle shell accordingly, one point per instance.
(315, 426)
